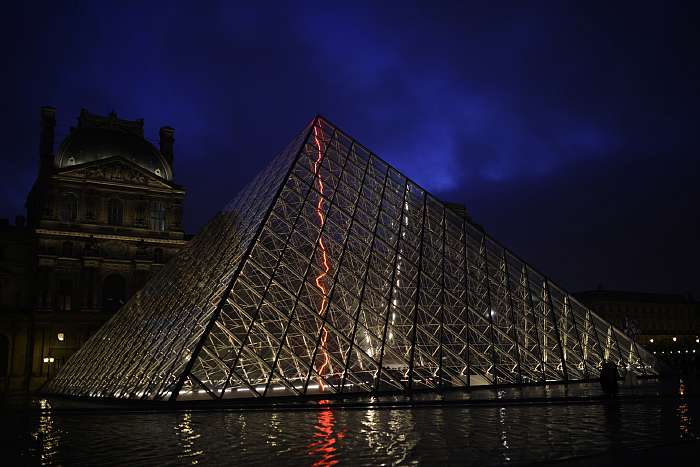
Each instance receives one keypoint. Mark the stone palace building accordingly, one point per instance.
(103, 215)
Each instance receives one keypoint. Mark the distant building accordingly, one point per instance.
(102, 216)
(664, 323)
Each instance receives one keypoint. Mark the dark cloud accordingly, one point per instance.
(568, 129)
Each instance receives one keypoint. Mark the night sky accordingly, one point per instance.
(569, 131)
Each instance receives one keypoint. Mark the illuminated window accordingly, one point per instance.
(61, 337)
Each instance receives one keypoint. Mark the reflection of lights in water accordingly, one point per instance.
(504, 434)
(187, 437)
(324, 446)
(319, 283)
(275, 430)
(682, 413)
(47, 434)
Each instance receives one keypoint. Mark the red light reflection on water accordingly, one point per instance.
(323, 448)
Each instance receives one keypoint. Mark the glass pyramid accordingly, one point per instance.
(332, 272)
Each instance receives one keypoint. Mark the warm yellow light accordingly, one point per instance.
(46, 359)
(61, 336)
(50, 359)
(674, 339)
(697, 341)
(651, 340)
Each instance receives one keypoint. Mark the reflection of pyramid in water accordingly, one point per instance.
(332, 272)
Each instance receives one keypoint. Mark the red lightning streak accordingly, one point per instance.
(319, 279)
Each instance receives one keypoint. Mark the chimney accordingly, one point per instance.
(166, 144)
(46, 137)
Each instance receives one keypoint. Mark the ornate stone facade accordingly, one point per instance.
(104, 215)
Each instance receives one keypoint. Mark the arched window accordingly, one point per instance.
(115, 212)
(113, 292)
(69, 208)
(71, 161)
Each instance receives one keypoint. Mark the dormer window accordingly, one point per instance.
(158, 172)
(71, 161)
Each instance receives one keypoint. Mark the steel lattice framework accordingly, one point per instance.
(331, 272)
